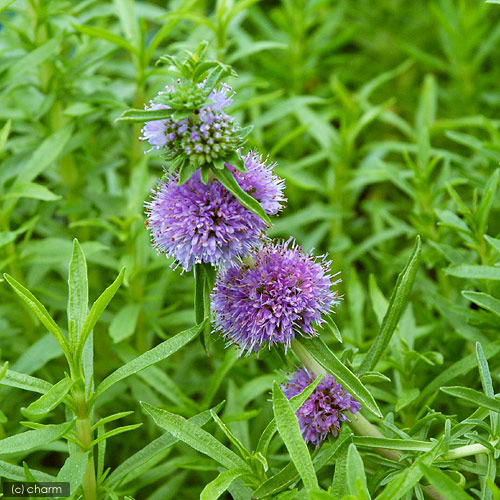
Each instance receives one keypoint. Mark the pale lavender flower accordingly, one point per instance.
(198, 222)
(325, 409)
(284, 292)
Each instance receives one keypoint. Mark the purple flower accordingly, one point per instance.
(198, 222)
(283, 293)
(324, 410)
(155, 132)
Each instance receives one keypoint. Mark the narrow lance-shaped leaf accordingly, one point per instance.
(144, 115)
(226, 178)
(95, 313)
(443, 483)
(78, 291)
(487, 383)
(127, 468)
(39, 309)
(296, 402)
(74, 469)
(454, 371)
(288, 427)
(397, 303)
(327, 359)
(49, 400)
(483, 300)
(473, 396)
(220, 484)
(195, 437)
(355, 471)
(12, 378)
(31, 439)
(16, 473)
(289, 475)
(155, 355)
(105, 35)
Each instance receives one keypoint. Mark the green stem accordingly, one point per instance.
(468, 450)
(360, 425)
(84, 432)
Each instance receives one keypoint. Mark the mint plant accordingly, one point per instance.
(381, 121)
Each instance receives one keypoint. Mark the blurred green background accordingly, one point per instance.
(383, 120)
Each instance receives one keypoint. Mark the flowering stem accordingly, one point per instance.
(360, 425)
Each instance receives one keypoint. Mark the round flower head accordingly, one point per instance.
(198, 222)
(324, 410)
(207, 135)
(283, 293)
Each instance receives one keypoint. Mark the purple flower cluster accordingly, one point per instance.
(209, 134)
(197, 222)
(324, 410)
(282, 293)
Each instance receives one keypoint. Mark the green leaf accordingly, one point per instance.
(128, 20)
(443, 483)
(327, 359)
(33, 59)
(226, 178)
(288, 427)
(220, 484)
(473, 396)
(484, 209)
(3, 5)
(105, 35)
(111, 418)
(483, 300)
(114, 432)
(144, 115)
(494, 242)
(50, 400)
(130, 466)
(195, 437)
(78, 296)
(296, 402)
(31, 190)
(124, 323)
(355, 471)
(474, 272)
(456, 370)
(487, 383)
(31, 439)
(95, 312)
(392, 444)
(186, 171)
(230, 435)
(332, 327)
(16, 473)
(204, 282)
(397, 304)
(45, 155)
(409, 477)
(40, 311)
(26, 382)
(155, 355)
(74, 469)
(289, 475)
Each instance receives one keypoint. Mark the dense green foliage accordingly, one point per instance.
(382, 119)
